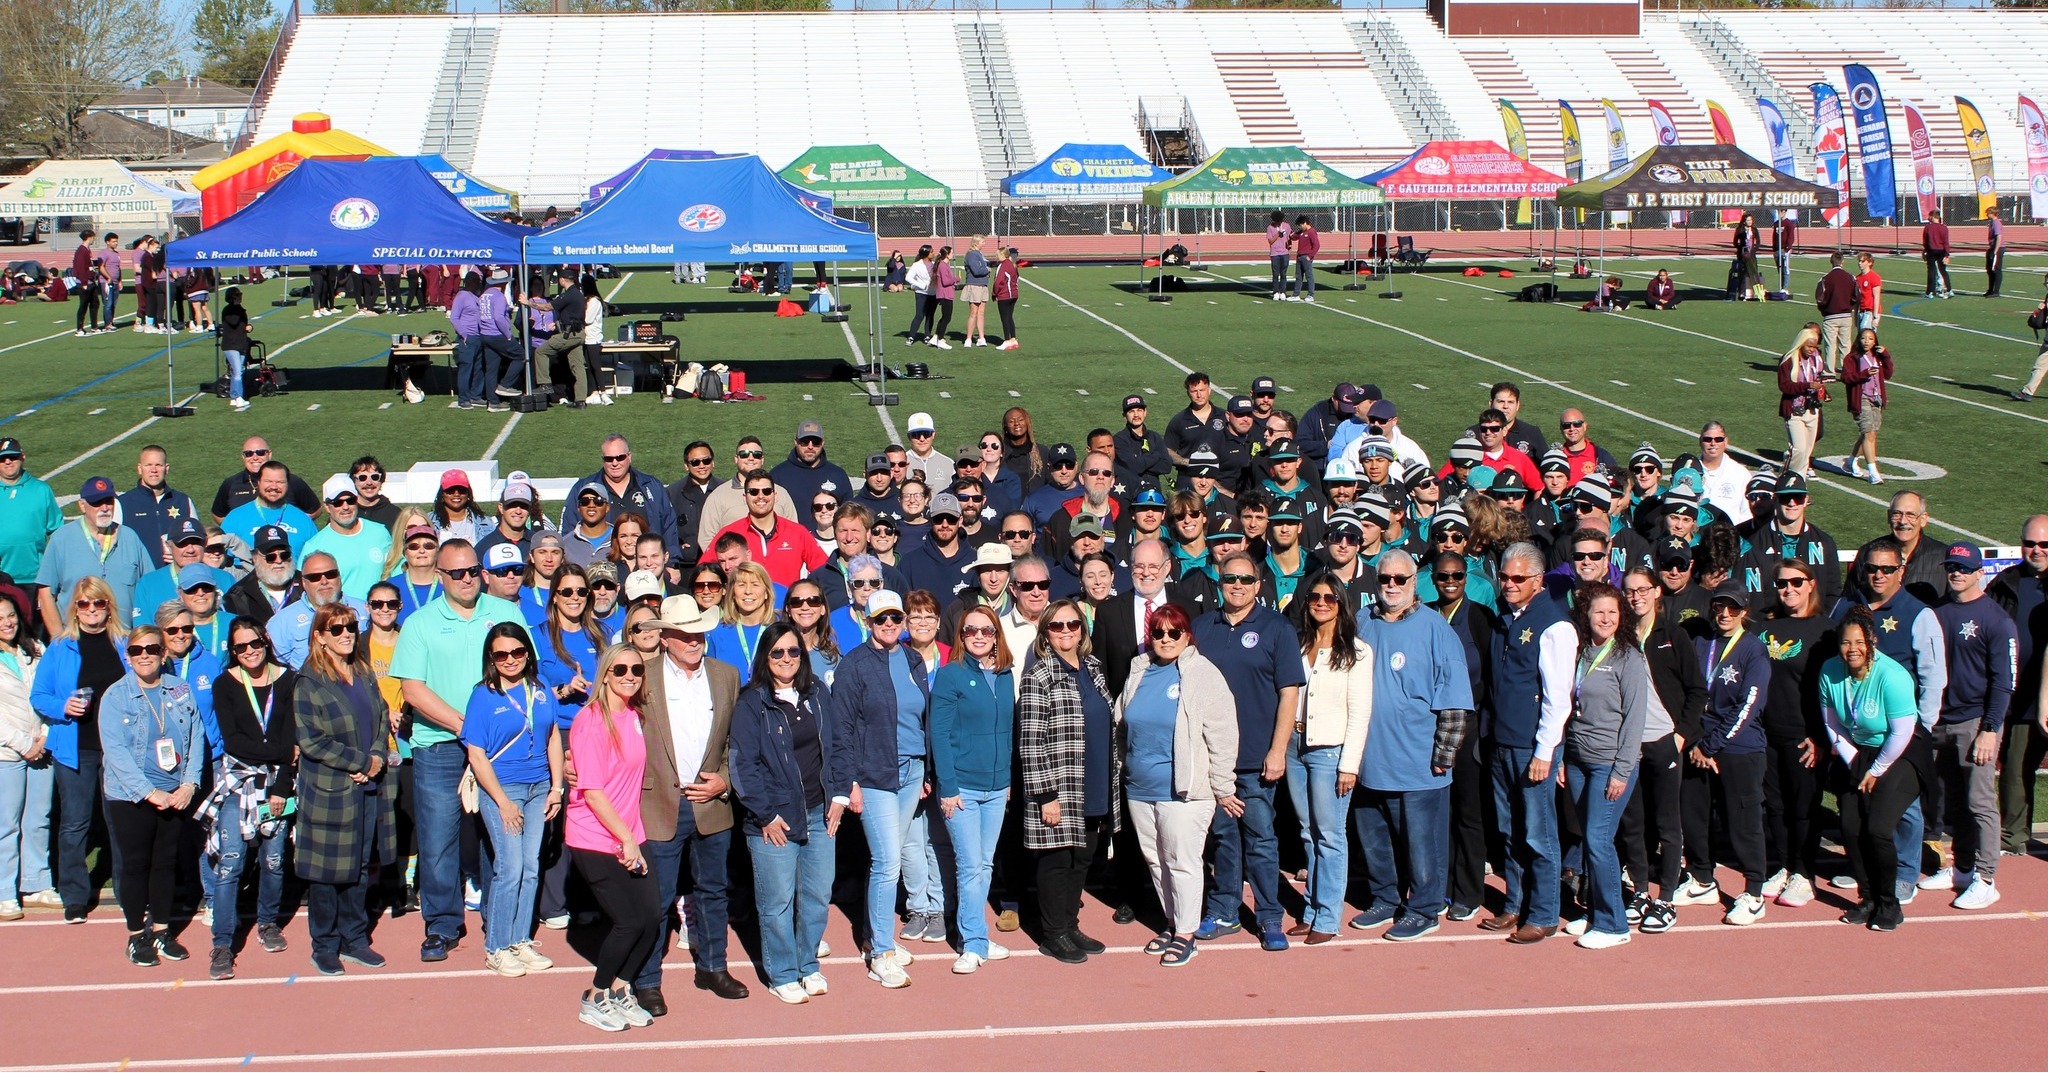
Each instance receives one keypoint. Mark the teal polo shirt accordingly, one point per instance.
(446, 651)
(28, 515)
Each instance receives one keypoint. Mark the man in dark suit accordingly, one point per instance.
(1119, 636)
(687, 803)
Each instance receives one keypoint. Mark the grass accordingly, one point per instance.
(1090, 337)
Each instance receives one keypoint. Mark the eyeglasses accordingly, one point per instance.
(702, 461)
(152, 651)
(825, 507)
(320, 575)
(1238, 579)
(1571, 424)
(422, 544)
(1452, 536)
(1322, 598)
(1789, 582)
(464, 573)
(1588, 556)
(255, 454)
(340, 629)
(179, 631)
(750, 454)
(1396, 579)
(618, 458)
(507, 655)
(628, 670)
(865, 583)
(887, 618)
(282, 555)
(1167, 633)
(257, 645)
(804, 601)
(1906, 515)
(573, 594)
(1638, 592)
(1031, 586)
(1065, 625)
(785, 652)
(1441, 578)
(977, 631)
(1881, 570)
(991, 445)
(91, 603)
(386, 605)
(1026, 534)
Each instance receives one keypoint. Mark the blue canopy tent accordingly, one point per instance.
(475, 193)
(1088, 172)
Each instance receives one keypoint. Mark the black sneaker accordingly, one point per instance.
(1124, 915)
(1888, 917)
(364, 956)
(330, 964)
(1087, 945)
(271, 937)
(220, 965)
(1061, 948)
(142, 951)
(1658, 917)
(1860, 913)
(436, 948)
(171, 948)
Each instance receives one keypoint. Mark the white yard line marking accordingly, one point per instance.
(32, 342)
(860, 361)
(96, 412)
(1119, 329)
(503, 435)
(1684, 381)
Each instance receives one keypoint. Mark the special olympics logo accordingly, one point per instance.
(1864, 96)
(1066, 167)
(1927, 185)
(1433, 165)
(701, 218)
(1667, 174)
(353, 214)
(2040, 184)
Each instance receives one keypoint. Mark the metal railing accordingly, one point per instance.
(259, 98)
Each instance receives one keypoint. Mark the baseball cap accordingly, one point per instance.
(887, 521)
(1340, 471)
(502, 556)
(1467, 450)
(1347, 397)
(1508, 482)
(1134, 402)
(10, 447)
(333, 488)
(1284, 510)
(420, 529)
(878, 463)
(1149, 499)
(601, 570)
(517, 491)
(191, 577)
(1791, 484)
(590, 488)
(454, 478)
(96, 490)
(969, 454)
(188, 530)
(1375, 447)
(1240, 406)
(1481, 478)
(1672, 551)
(547, 540)
(993, 553)
(268, 537)
(1730, 591)
(1373, 507)
(807, 430)
(885, 600)
(945, 503)
(1263, 385)
(1383, 410)
(1062, 452)
(1283, 450)
(1225, 527)
(920, 422)
(1968, 556)
(642, 583)
(1084, 525)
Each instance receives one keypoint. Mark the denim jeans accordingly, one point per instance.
(502, 354)
(234, 359)
(792, 892)
(709, 883)
(897, 849)
(25, 792)
(469, 369)
(515, 864)
(1246, 849)
(1907, 841)
(1305, 276)
(1279, 276)
(338, 916)
(224, 879)
(437, 826)
(78, 801)
(1528, 826)
(1405, 834)
(974, 828)
(1600, 816)
(110, 296)
(1312, 787)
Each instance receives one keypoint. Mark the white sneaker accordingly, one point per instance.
(597, 1013)
(239, 405)
(1579, 926)
(998, 952)
(1942, 880)
(1007, 344)
(1775, 885)
(628, 1008)
(824, 949)
(1876, 477)
(1747, 910)
(1693, 892)
(505, 963)
(1981, 894)
(559, 922)
(884, 970)
(1311, 299)
(530, 956)
(1277, 297)
(1602, 940)
(942, 344)
(793, 994)
(10, 910)
(1906, 891)
(1855, 465)
(1843, 882)
(1798, 891)
(815, 984)
(966, 963)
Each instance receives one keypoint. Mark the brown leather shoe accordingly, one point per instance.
(1530, 933)
(1500, 922)
(1299, 929)
(1318, 938)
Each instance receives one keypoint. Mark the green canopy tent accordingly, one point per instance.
(1281, 177)
(869, 175)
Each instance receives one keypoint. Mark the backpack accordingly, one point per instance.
(2038, 319)
(711, 385)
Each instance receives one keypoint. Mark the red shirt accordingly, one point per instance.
(788, 552)
(1867, 287)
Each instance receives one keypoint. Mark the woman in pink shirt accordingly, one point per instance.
(603, 832)
(1278, 236)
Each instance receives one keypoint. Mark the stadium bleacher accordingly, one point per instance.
(570, 99)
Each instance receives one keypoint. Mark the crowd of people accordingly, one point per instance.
(1153, 666)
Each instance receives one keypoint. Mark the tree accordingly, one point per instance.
(234, 39)
(58, 56)
(381, 7)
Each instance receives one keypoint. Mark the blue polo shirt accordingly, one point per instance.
(359, 557)
(1259, 657)
(243, 521)
(517, 722)
(73, 555)
(1418, 670)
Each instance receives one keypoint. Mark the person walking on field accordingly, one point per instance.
(1837, 298)
(1307, 243)
(1934, 250)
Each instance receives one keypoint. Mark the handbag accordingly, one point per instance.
(468, 790)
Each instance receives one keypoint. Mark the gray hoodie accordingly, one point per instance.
(1606, 726)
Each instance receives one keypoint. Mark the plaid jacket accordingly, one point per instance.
(1051, 743)
(332, 808)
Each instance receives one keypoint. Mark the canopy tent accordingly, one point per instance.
(225, 188)
(1696, 177)
(599, 190)
(96, 188)
(1271, 178)
(1091, 172)
(863, 175)
(1471, 170)
(352, 212)
(475, 194)
(717, 209)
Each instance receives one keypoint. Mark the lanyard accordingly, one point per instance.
(1599, 657)
(161, 715)
(212, 635)
(747, 644)
(103, 545)
(1714, 661)
(269, 699)
(527, 712)
(419, 601)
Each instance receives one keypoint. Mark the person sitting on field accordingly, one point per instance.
(1661, 293)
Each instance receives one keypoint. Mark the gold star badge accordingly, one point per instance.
(1527, 634)
(173, 512)
(1890, 624)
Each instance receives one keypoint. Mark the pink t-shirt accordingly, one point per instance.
(601, 766)
(1276, 239)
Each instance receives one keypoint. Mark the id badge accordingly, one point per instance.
(166, 754)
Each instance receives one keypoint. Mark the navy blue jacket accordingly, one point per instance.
(1736, 687)
(1516, 695)
(862, 710)
(761, 757)
(803, 482)
(925, 567)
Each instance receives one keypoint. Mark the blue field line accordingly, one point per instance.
(125, 369)
(1899, 310)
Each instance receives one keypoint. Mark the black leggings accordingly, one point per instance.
(1006, 308)
(323, 288)
(1062, 876)
(634, 905)
(1471, 824)
(1739, 791)
(1868, 821)
(88, 305)
(921, 315)
(1791, 797)
(943, 316)
(1696, 814)
(146, 842)
(1655, 801)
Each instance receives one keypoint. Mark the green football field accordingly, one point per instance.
(81, 406)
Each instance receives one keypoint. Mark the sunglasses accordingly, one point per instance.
(991, 445)
(750, 454)
(340, 629)
(590, 501)
(1320, 599)
(1396, 579)
(1571, 424)
(203, 589)
(1588, 556)
(508, 571)
(507, 655)
(179, 631)
(1874, 568)
(1646, 469)
(825, 507)
(464, 573)
(703, 461)
(1489, 428)
(1713, 439)
(609, 585)
(979, 499)
(573, 594)
(1451, 536)
(978, 631)
(617, 458)
(1789, 582)
(757, 493)
(258, 645)
(136, 651)
(865, 583)
(1065, 625)
(1958, 568)
(804, 601)
(91, 603)
(386, 605)
(1344, 538)
(712, 586)
(887, 618)
(423, 544)
(1101, 473)
(785, 652)
(905, 464)
(1792, 501)
(370, 477)
(1517, 579)
(1238, 579)
(1026, 534)
(920, 435)
(2034, 545)
(1063, 465)
(282, 556)
(628, 670)
(216, 549)
(320, 575)
(882, 530)
(1441, 578)
(1166, 633)
(1031, 586)
(254, 454)
(455, 490)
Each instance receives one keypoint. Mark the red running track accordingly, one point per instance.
(1949, 990)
